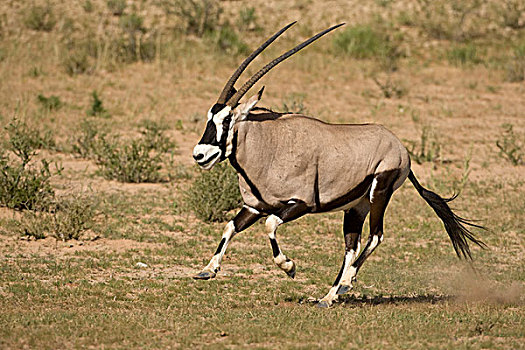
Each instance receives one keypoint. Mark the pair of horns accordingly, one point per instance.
(231, 97)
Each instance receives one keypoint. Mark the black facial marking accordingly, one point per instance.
(210, 134)
(221, 244)
(224, 136)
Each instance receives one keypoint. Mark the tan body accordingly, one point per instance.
(294, 157)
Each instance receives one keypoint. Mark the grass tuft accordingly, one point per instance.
(511, 148)
(40, 18)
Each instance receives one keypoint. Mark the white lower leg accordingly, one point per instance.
(215, 262)
(279, 258)
(347, 276)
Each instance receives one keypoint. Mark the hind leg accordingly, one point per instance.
(352, 228)
(380, 194)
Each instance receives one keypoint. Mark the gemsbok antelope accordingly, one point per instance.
(290, 165)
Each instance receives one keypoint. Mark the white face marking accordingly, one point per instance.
(211, 154)
(218, 119)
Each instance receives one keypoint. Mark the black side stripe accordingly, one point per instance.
(317, 201)
(240, 170)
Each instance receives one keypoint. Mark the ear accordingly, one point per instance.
(242, 110)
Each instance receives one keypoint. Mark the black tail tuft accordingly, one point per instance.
(455, 225)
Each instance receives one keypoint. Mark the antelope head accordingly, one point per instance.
(216, 142)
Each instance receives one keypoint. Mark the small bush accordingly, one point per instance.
(511, 12)
(154, 137)
(67, 218)
(40, 18)
(96, 109)
(226, 40)
(88, 6)
(197, 17)
(510, 146)
(51, 103)
(247, 19)
(457, 20)
(23, 184)
(427, 150)
(515, 68)
(131, 161)
(85, 145)
(364, 42)
(464, 55)
(79, 56)
(359, 42)
(214, 193)
(294, 103)
(116, 7)
(391, 88)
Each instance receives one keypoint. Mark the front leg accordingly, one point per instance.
(290, 212)
(244, 219)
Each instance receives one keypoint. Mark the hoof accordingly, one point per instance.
(323, 304)
(291, 273)
(343, 289)
(204, 275)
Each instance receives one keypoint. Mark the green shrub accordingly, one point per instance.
(128, 161)
(23, 184)
(294, 103)
(79, 56)
(154, 137)
(515, 68)
(457, 20)
(364, 42)
(116, 7)
(85, 145)
(226, 40)
(51, 103)
(40, 18)
(359, 42)
(510, 12)
(247, 19)
(67, 218)
(464, 55)
(510, 146)
(88, 6)
(214, 193)
(427, 150)
(391, 88)
(197, 17)
(96, 109)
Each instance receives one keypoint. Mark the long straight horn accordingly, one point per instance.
(226, 92)
(239, 94)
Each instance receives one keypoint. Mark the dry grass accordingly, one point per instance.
(412, 293)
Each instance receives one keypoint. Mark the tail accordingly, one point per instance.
(455, 225)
